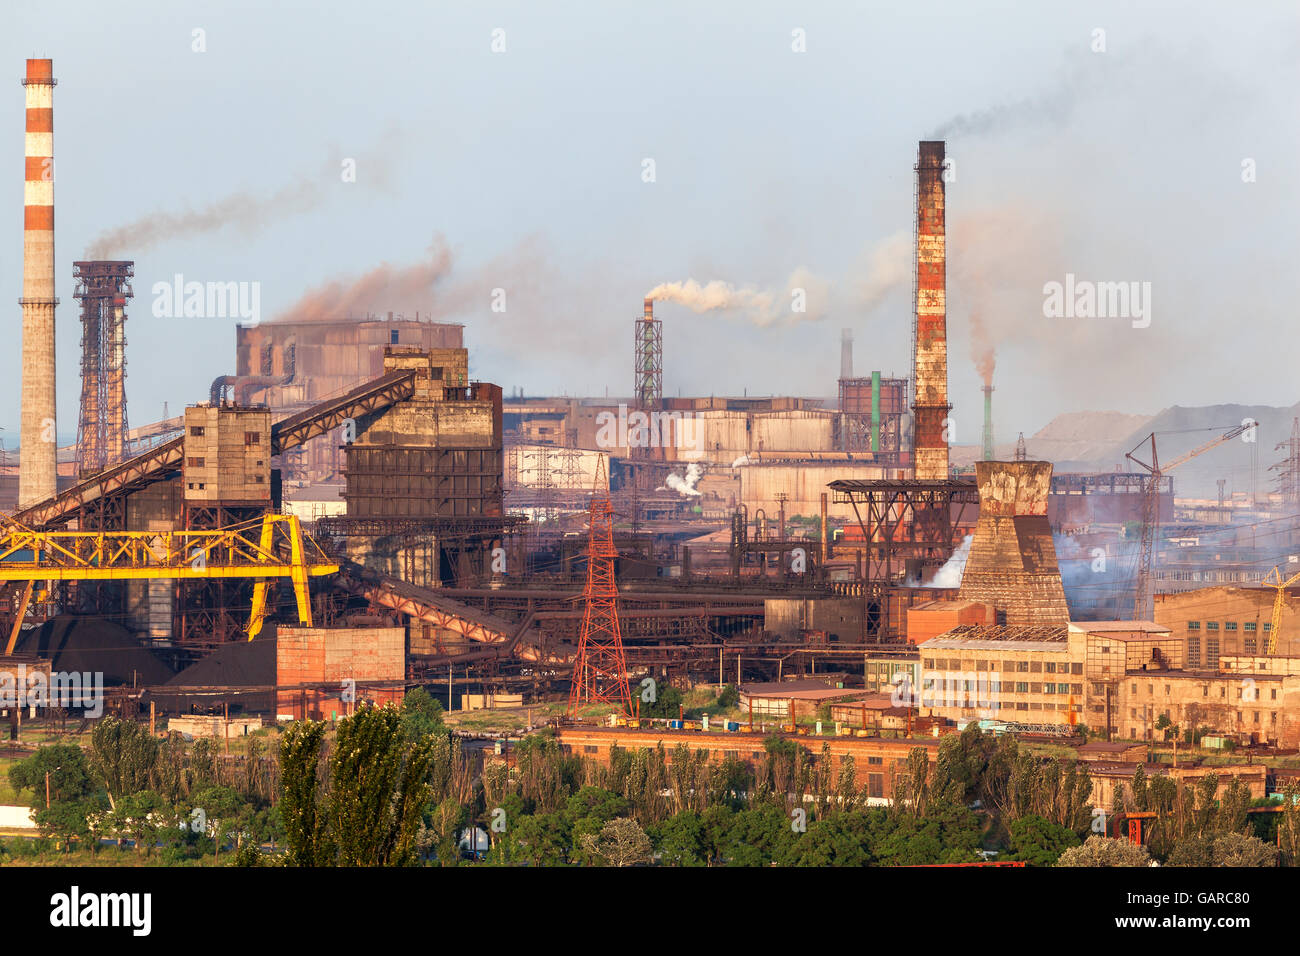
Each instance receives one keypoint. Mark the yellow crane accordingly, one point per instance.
(1274, 580)
(273, 546)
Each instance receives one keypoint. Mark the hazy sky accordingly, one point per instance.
(772, 168)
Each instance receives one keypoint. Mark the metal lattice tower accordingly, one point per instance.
(1288, 469)
(1020, 447)
(102, 288)
(649, 360)
(600, 668)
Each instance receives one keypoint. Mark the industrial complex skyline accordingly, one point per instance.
(775, 139)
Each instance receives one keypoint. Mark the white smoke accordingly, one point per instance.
(949, 576)
(685, 485)
(803, 298)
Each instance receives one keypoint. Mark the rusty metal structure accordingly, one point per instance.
(909, 526)
(37, 436)
(102, 289)
(600, 669)
(930, 329)
(648, 361)
(871, 417)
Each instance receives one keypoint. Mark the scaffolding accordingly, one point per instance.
(102, 288)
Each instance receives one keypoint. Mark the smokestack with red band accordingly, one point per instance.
(36, 477)
(930, 403)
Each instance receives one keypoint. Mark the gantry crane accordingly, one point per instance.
(270, 547)
(1151, 507)
(1274, 580)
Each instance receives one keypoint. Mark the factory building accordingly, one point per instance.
(1217, 622)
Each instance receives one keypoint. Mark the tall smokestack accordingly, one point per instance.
(36, 475)
(649, 360)
(988, 422)
(846, 354)
(930, 403)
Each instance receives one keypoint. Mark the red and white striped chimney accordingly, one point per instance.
(930, 403)
(38, 443)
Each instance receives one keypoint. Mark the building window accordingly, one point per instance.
(1076, 668)
(1022, 687)
(392, 336)
(875, 760)
(1230, 626)
(1212, 652)
(196, 431)
(1036, 667)
(590, 749)
(1248, 646)
(195, 462)
(1193, 651)
(1050, 667)
(252, 438)
(1211, 625)
(1249, 627)
(1193, 625)
(875, 784)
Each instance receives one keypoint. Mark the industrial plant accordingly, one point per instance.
(813, 600)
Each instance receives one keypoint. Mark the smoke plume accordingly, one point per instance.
(244, 211)
(802, 299)
(385, 287)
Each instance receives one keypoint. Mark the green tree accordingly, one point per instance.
(124, 755)
(1039, 842)
(681, 840)
(379, 789)
(301, 798)
(74, 795)
(421, 715)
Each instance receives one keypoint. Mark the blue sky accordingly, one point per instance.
(1117, 165)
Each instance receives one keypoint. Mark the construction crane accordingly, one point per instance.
(1151, 506)
(1274, 580)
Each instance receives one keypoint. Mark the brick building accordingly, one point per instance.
(1229, 621)
(318, 668)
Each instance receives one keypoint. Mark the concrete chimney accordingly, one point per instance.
(37, 439)
(988, 423)
(846, 353)
(930, 401)
(1012, 562)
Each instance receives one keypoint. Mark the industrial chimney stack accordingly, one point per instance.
(38, 443)
(930, 334)
(988, 422)
(846, 353)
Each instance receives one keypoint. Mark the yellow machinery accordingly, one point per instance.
(273, 546)
(1274, 580)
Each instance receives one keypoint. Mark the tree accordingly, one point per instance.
(542, 839)
(1224, 849)
(421, 715)
(621, 842)
(124, 755)
(680, 840)
(379, 790)
(301, 797)
(839, 840)
(1104, 851)
(1039, 842)
(73, 794)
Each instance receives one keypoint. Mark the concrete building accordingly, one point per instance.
(1218, 622)
(1022, 673)
(787, 701)
(1107, 778)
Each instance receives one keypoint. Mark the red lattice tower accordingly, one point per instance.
(600, 668)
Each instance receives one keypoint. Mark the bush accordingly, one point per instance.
(1104, 851)
(1225, 849)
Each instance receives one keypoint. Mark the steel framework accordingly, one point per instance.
(273, 547)
(102, 288)
(600, 668)
(649, 360)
